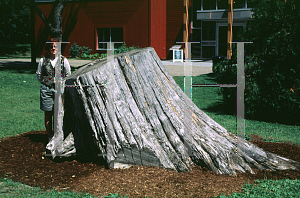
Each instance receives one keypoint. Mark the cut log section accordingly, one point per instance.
(127, 109)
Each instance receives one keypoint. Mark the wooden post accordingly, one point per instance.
(186, 23)
(229, 32)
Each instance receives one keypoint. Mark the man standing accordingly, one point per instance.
(46, 75)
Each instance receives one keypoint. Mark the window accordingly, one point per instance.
(238, 4)
(107, 35)
(209, 4)
(208, 30)
(208, 51)
(250, 4)
(196, 51)
(196, 6)
(222, 4)
(196, 35)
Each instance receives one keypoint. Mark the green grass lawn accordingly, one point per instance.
(20, 101)
(20, 113)
(208, 100)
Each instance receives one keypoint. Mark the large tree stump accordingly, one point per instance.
(129, 110)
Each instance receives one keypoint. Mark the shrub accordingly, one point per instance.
(85, 50)
(124, 48)
(75, 50)
(272, 67)
(265, 97)
(121, 49)
(82, 52)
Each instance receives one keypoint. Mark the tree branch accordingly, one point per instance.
(40, 13)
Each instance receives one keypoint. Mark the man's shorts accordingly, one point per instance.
(46, 98)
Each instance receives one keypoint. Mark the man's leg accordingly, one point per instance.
(48, 122)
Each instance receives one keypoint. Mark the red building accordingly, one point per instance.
(143, 23)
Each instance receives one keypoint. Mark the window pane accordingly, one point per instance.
(209, 4)
(222, 4)
(109, 34)
(100, 37)
(196, 50)
(208, 51)
(209, 30)
(196, 23)
(196, 35)
(117, 34)
(223, 31)
(106, 34)
(196, 6)
(250, 3)
(238, 4)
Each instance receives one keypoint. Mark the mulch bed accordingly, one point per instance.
(21, 160)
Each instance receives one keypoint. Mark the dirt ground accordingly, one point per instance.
(21, 160)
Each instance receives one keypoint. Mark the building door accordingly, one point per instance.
(222, 37)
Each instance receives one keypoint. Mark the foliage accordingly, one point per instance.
(9, 188)
(14, 22)
(124, 48)
(84, 52)
(81, 51)
(121, 49)
(14, 50)
(74, 50)
(272, 67)
(269, 188)
(114, 196)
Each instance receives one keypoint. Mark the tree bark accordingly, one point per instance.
(138, 115)
(55, 27)
(32, 37)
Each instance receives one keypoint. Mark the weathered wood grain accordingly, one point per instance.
(133, 112)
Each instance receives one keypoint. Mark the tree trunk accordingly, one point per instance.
(131, 111)
(32, 37)
(55, 27)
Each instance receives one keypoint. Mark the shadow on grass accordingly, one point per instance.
(14, 49)
(18, 66)
(222, 108)
(228, 107)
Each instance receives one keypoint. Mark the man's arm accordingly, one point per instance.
(39, 71)
(67, 67)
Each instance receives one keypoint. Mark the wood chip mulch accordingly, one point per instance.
(21, 160)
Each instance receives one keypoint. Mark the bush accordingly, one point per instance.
(121, 49)
(272, 67)
(75, 50)
(84, 52)
(124, 48)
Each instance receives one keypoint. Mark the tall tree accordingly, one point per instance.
(14, 22)
(54, 24)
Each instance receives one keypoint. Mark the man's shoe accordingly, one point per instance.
(48, 153)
